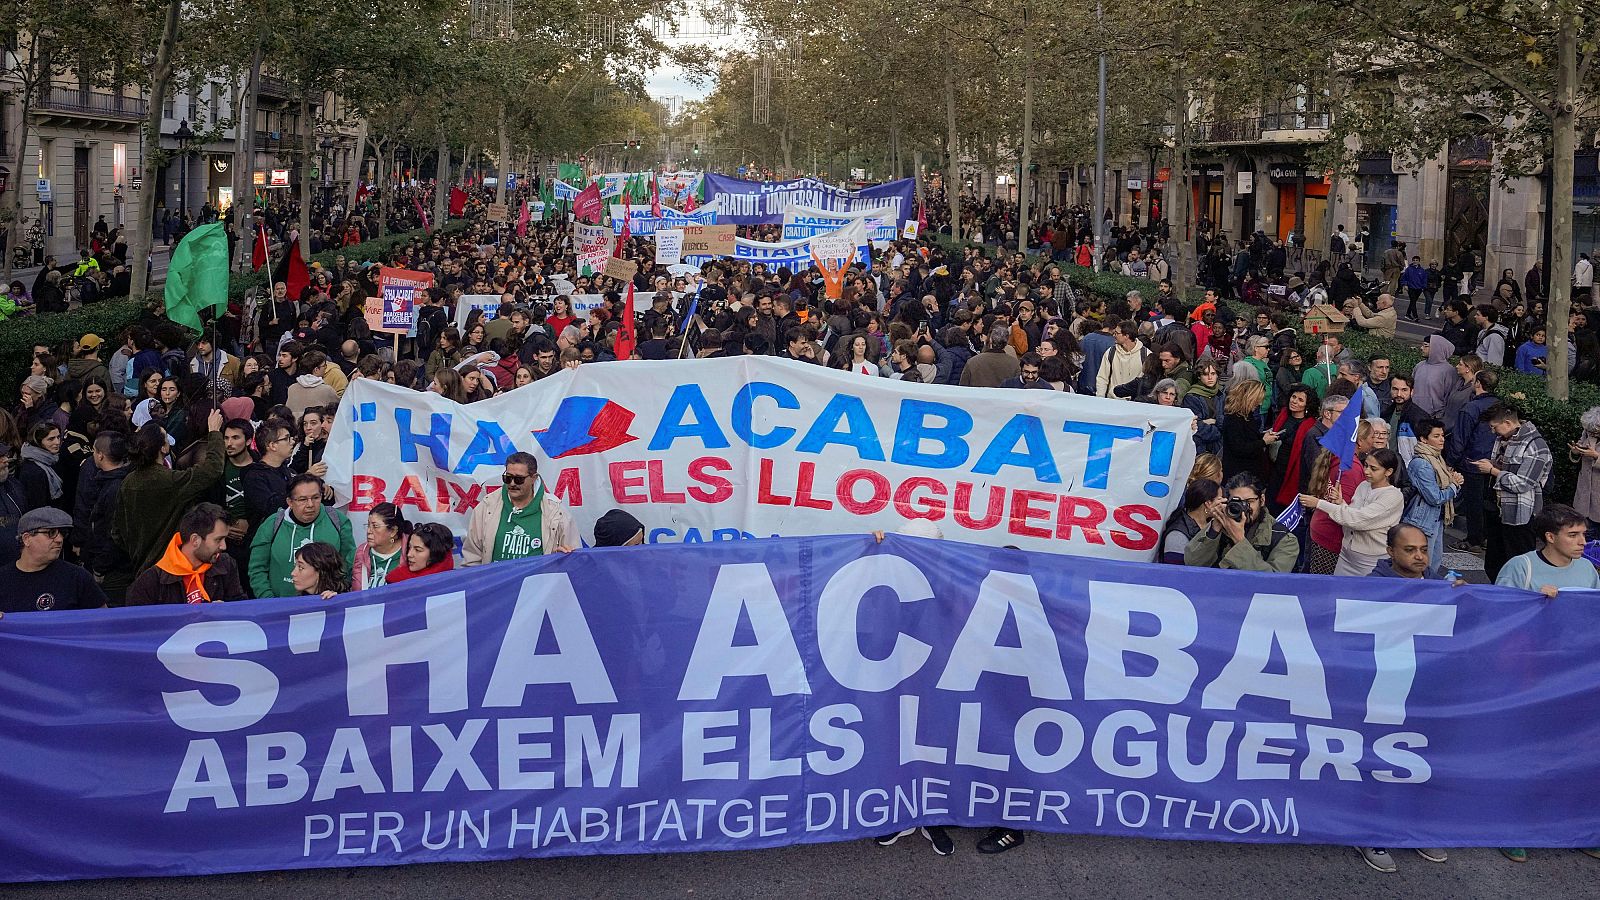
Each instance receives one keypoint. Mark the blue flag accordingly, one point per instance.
(1292, 515)
(1341, 438)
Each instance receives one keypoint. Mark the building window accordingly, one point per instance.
(194, 108)
(1301, 106)
(168, 108)
(214, 102)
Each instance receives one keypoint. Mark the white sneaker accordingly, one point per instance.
(1378, 859)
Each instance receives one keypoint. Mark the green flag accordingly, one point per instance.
(197, 276)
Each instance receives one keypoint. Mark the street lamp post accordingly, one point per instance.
(184, 134)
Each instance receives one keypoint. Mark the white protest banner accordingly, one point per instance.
(669, 246)
(756, 446)
(911, 229)
(592, 244)
(807, 221)
(489, 303)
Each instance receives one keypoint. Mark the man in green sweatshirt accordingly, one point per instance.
(305, 521)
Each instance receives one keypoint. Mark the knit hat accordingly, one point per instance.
(615, 529)
(238, 408)
(39, 384)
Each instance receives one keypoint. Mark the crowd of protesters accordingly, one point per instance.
(159, 466)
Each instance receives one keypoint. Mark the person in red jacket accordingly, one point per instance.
(428, 551)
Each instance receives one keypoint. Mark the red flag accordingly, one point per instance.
(922, 218)
(361, 191)
(689, 204)
(522, 220)
(655, 197)
(297, 277)
(427, 228)
(586, 205)
(458, 201)
(626, 339)
(258, 256)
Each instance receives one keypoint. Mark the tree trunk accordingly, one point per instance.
(305, 177)
(1024, 176)
(505, 157)
(1180, 246)
(441, 184)
(150, 138)
(1563, 128)
(244, 157)
(386, 186)
(359, 162)
(30, 87)
(952, 170)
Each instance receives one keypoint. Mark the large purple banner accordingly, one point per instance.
(741, 202)
(764, 692)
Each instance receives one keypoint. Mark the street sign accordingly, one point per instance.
(280, 178)
(511, 181)
(42, 188)
(138, 182)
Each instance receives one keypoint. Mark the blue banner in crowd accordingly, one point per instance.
(741, 202)
(642, 222)
(768, 692)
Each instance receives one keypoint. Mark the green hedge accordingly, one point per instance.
(19, 336)
(367, 250)
(1558, 421)
(107, 319)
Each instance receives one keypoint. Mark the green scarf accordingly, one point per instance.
(521, 534)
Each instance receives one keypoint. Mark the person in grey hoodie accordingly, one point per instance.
(1434, 378)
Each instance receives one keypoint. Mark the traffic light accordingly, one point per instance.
(696, 149)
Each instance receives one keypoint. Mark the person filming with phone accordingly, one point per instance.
(1241, 535)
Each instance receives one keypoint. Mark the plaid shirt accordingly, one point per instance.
(1524, 462)
(1066, 299)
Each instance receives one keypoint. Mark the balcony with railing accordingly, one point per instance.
(270, 141)
(1225, 131)
(1295, 121)
(1277, 127)
(273, 86)
(79, 103)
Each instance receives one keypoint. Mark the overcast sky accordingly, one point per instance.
(669, 80)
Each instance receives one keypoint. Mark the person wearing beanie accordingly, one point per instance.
(618, 529)
(239, 408)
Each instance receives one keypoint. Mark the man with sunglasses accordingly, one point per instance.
(40, 579)
(519, 521)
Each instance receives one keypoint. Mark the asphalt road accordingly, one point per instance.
(1045, 866)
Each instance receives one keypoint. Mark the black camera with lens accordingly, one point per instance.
(1238, 509)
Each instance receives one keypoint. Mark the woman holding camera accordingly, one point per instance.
(1366, 519)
